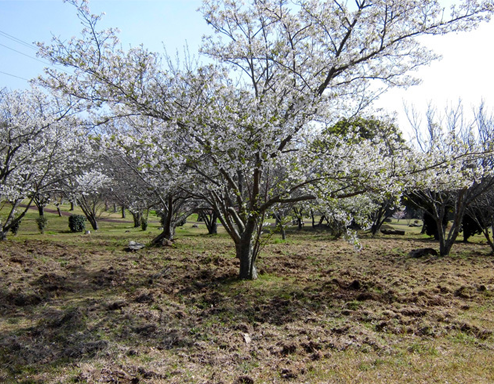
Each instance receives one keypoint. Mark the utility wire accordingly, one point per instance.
(9, 74)
(24, 54)
(25, 44)
(28, 45)
(19, 41)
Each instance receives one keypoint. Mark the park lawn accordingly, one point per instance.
(78, 308)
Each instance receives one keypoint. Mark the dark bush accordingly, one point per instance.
(42, 221)
(77, 223)
(430, 226)
(14, 228)
(470, 226)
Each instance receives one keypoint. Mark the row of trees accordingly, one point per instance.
(40, 145)
(254, 130)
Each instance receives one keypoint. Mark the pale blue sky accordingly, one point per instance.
(150, 22)
(465, 72)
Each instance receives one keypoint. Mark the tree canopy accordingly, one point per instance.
(238, 131)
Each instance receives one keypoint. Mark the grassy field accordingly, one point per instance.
(78, 308)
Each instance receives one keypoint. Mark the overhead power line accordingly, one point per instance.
(28, 45)
(19, 41)
(24, 54)
(9, 74)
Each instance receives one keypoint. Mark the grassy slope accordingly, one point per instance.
(78, 308)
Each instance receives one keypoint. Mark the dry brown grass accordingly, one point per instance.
(320, 313)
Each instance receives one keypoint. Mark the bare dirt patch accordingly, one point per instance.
(320, 312)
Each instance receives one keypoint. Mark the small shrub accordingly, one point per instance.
(279, 241)
(77, 223)
(144, 224)
(42, 221)
(15, 227)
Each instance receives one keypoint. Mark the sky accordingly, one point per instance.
(465, 72)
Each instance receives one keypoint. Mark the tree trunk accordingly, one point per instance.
(446, 242)
(459, 212)
(41, 210)
(89, 212)
(168, 232)
(283, 232)
(440, 235)
(378, 221)
(444, 247)
(92, 220)
(247, 251)
(71, 206)
(214, 227)
(11, 219)
(489, 239)
(211, 221)
(376, 226)
(281, 226)
(123, 211)
(321, 220)
(137, 216)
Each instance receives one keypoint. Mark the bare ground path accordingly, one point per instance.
(65, 213)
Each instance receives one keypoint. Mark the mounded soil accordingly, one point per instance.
(320, 312)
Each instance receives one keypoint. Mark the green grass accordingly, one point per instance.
(78, 308)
